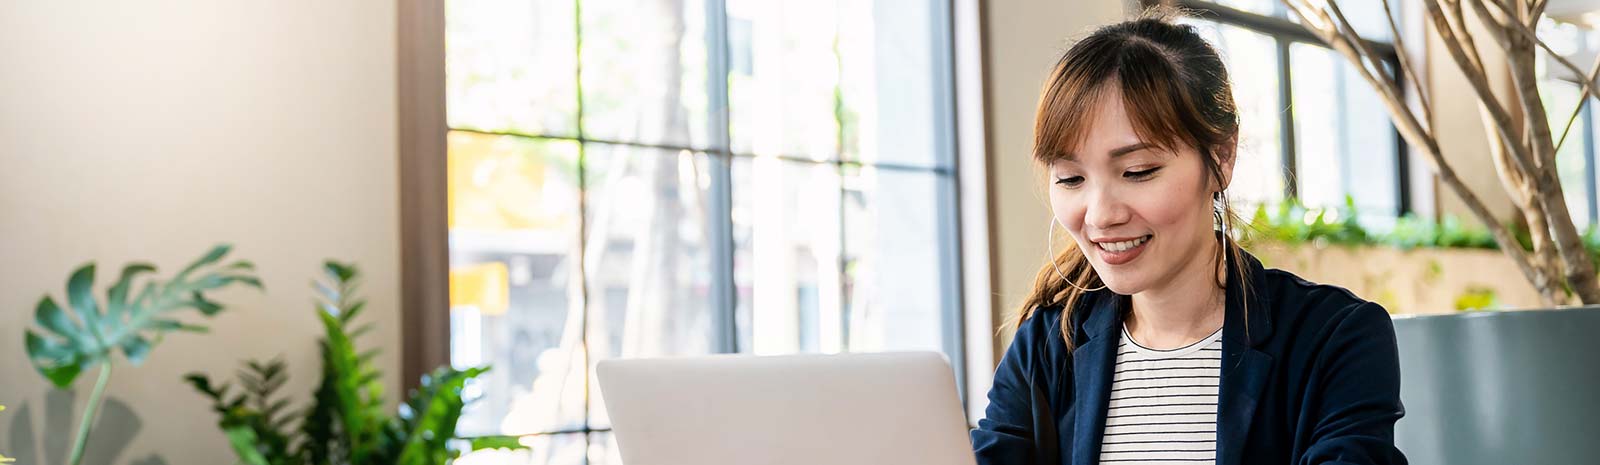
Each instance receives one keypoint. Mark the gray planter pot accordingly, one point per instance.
(1519, 387)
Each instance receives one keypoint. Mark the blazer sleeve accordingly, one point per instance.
(1017, 428)
(1358, 379)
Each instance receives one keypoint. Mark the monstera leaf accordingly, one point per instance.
(86, 332)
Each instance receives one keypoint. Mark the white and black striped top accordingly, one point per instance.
(1163, 404)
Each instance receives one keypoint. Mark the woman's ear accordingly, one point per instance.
(1227, 154)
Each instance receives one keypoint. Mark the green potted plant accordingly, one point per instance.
(131, 319)
(345, 422)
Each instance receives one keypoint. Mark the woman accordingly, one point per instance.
(1153, 338)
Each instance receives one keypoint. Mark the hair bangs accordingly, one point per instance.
(1134, 71)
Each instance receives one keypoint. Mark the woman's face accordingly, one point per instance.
(1141, 214)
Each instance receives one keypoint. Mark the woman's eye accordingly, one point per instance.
(1071, 181)
(1141, 173)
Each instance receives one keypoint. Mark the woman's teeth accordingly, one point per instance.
(1122, 246)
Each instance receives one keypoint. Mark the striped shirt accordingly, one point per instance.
(1163, 404)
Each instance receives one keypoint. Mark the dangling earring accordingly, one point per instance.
(1050, 238)
(1219, 203)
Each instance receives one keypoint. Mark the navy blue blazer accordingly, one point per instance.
(1315, 379)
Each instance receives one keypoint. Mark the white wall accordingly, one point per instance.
(152, 130)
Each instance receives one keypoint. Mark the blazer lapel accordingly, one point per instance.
(1092, 365)
(1244, 374)
(1245, 370)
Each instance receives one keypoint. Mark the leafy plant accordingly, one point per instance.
(73, 339)
(345, 423)
(1476, 298)
(1292, 223)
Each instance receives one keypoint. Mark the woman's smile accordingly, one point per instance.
(1117, 251)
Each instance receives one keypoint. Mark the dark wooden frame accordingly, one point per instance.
(424, 230)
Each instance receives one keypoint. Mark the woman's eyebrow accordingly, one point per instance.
(1119, 151)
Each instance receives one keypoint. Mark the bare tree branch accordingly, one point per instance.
(1472, 68)
(1594, 73)
(1406, 66)
(1419, 138)
(1348, 32)
(1557, 222)
(1535, 13)
(1528, 33)
(1463, 32)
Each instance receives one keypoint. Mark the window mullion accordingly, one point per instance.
(720, 214)
(1588, 164)
(1286, 121)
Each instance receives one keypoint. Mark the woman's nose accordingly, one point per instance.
(1105, 210)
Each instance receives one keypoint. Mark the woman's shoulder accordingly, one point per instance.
(1042, 330)
(1044, 324)
(1300, 305)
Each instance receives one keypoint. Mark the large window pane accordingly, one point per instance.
(513, 215)
(628, 87)
(644, 72)
(888, 86)
(1252, 61)
(1368, 18)
(512, 66)
(1560, 99)
(1345, 143)
(603, 449)
(648, 264)
(894, 259)
(786, 231)
(784, 78)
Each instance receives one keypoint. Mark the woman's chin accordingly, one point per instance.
(1122, 285)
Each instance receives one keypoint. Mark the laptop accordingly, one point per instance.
(847, 409)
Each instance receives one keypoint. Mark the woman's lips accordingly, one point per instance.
(1117, 253)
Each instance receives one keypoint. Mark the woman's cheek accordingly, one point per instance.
(1066, 209)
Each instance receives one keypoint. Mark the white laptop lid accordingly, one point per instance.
(878, 409)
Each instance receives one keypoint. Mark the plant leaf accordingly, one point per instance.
(58, 363)
(175, 325)
(210, 257)
(64, 348)
(496, 442)
(136, 348)
(51, 317)
(206, 307)
(244, 440)
(117, 297)
(80, 295)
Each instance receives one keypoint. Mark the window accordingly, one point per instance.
(676, 177)
(1311, 127)
(1560, 90)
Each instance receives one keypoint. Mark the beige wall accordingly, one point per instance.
(1023, 40)
(152, 130)
(1457, 114)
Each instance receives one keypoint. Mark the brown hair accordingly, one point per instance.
(1176, 90)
